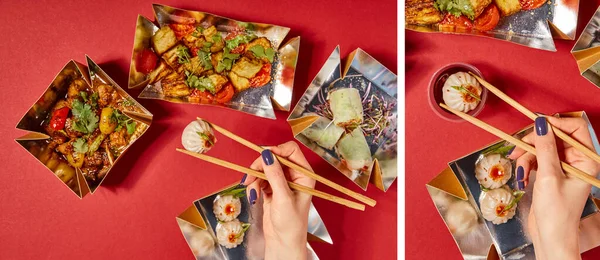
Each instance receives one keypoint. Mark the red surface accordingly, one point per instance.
(132, 216)
(546, 82)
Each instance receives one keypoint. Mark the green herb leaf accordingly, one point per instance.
(200, 83)
(483, 188)
(131, 126)
(260, 52)
(501, 148)
(236, 192)
(466, 91)
(86, 121)
(518, 196)
(205, 59)
(217, 37)
(205, 137)
(123, 120)
(183, 55)
(239, 39)
(227, 60)
(80, 146)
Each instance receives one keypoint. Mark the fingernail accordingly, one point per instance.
(252, 196)
(520, 176)
(541, 127)
(267, 156)
(510, 151)
(244, 179)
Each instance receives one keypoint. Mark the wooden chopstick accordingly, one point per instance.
(562, 135)
(257, 174)
(286, 162)
(570, 170)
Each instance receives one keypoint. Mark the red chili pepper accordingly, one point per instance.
(59, 117)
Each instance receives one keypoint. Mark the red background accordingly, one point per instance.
(543, 81)
(132, 216)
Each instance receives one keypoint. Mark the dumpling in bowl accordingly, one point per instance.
(492, 171)
(494, 205)
(198, 137)
(462, 92)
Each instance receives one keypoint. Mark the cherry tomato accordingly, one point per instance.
(239, 49)
(488, 19)
(262, 77)
(531, 4)
(225, 94)
(58, 119)
(203, 97)
(232, 35)
(182, 30)
(450, 21)
(146, 61)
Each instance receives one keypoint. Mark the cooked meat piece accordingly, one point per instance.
(65, 148)
(210, 35)
(246, 68)
(106, 94)
(95, 159)
(71, 133)
(163, 40)
(175, 89)
(422, 12)
(75, 87)
(160, 72)
(90, 173)
(194, 66)
(172, 59)
(218, 81)
(118, 139)
(239, 83)
(480, 5)
(508, 7)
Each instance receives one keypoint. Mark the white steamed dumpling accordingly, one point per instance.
(230, 234)
(493, 205)
(492, 171)
(198, 137)
(459, 99)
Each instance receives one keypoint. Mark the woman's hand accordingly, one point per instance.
(285, 219)
(558, 200)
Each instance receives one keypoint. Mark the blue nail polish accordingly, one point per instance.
(520, 176)
(267, 156)
(511, 150)
(541, 127)
(243, 179)
(253, 196)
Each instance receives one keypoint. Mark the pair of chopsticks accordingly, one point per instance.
(570, 170)
(284, 161)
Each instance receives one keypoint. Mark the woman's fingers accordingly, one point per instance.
(545, 146)
(275, 176)
(292, 152)
(576, 127)
(525, 164)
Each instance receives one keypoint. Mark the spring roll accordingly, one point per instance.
(346, 106)
(324, 133)
(354, 151)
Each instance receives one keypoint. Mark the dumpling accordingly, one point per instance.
(231, 234)
(198, 137)
(202, 243)
(354, 151)
(346, 107)
(492, 171)
(462, 92)
(227, 208)
(493, 205)
(461, 217)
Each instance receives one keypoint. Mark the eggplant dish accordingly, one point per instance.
(203, 65)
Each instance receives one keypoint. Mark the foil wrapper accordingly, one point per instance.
(35, 140)
(556, 19)
(375, 83)
(456, 193)
(261, 101)
(198, 226)
(587, 50)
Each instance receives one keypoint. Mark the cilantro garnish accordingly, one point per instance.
(206, 46)
(205, 59)
(123, 120)
(86, 121)
(201, 83)
(466, 91)
(239, 39)
(235, 192)
(183, 55)
(260, 52)
(227, 60)
(205, 137)
(198, 31)
(92, 100)
(80, 146)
